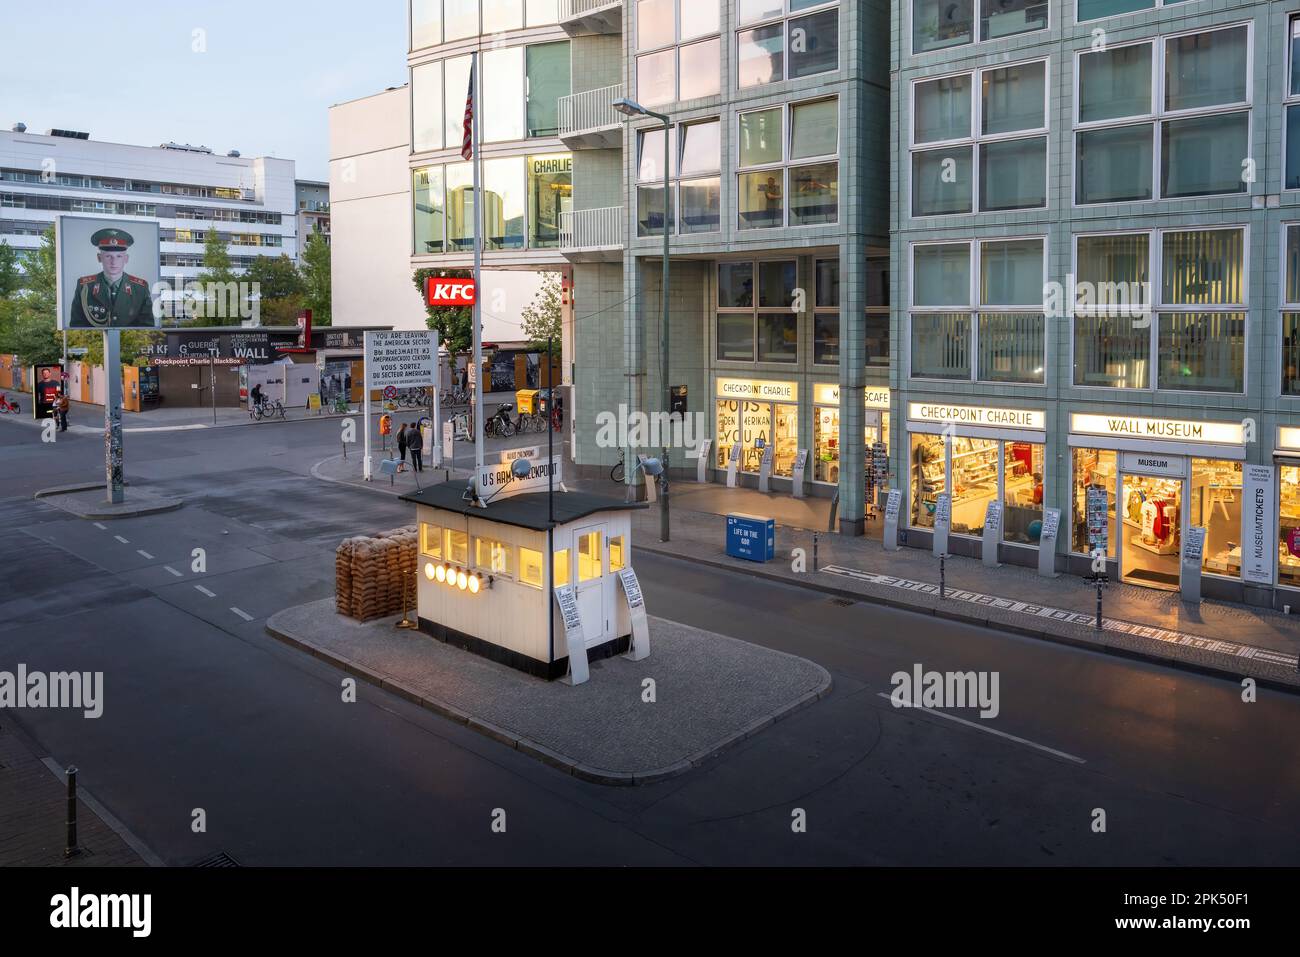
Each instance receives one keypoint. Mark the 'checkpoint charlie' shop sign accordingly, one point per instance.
(403, 360)
(758, 389)
(944, 413)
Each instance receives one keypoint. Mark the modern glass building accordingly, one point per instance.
(1096, 242)
(777, 210)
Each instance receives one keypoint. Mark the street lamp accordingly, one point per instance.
(633, 109)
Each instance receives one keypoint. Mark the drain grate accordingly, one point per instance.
(843, 602)
(220, 859)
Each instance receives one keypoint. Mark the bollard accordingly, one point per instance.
(816, 537)
(1099, 584)
(942, 582)
(70, 849)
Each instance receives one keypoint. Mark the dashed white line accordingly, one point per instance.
(101, 527)
(141, 551)
(210, 594)
(242, 614)
(173, 571)
(1000, 734)
(124, 541)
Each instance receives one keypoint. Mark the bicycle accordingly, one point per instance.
(618, 472)
(8, 405)
(340, 404)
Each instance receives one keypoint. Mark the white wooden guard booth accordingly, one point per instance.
(482, 577)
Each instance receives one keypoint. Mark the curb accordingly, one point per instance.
(541, 752)
(379, 486)
(957, 615)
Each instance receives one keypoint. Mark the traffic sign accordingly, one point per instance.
(390, 392)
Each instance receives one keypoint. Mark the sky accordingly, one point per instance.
(258, 77)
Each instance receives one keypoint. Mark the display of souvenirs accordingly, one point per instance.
(1152, 508)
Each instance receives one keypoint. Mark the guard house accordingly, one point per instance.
(482, 575)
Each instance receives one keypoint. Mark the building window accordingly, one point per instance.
(1288, 526)
(492, 556)
(992, 333)
(427, 208)
(765, 327)
(826, 316)
(457, 547)
(550, 196)
(1202, 119)
(1291, 313)
(617, 554)
(970, 152)
(547, 82)
(695, 170)
(1292, 132)
(589, 556)
(531, 571)
(1197, 341)
(459, 19)
(503, 203)
(560, 567)
(979, 471)
(796, 144)
(785, 39)
(679, 50)
(500, 15)
(426, 23)
(426, 108)
(939, 24)
(1097, 9)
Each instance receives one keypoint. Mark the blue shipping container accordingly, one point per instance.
(751, 537)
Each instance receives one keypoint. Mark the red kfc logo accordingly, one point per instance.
(449, 292)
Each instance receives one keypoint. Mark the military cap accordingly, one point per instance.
(111, 239)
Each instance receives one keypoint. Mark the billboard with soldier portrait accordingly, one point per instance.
(107, 272)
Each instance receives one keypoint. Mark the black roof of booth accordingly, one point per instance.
(521, 511)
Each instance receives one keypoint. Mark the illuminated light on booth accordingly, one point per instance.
(474, 584)
(440, 573)
(429, 571)
(462, 580)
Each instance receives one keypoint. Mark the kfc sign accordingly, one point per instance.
(449, 292)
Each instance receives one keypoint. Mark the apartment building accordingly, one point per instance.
(1096, 251)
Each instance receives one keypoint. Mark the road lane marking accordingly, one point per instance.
(980, 727)
(210, 594)
(102, 528)
(122, 540)
(242, 614)
(173, 571)
(144, 553)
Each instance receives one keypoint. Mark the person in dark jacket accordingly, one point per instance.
(401, 446)
(415, 442)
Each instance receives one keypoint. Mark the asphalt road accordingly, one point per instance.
(204, 711)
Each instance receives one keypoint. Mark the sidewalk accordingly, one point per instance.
(33, 815)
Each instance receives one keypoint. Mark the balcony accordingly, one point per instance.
(589, 121)
(592, 235)
(584, 18)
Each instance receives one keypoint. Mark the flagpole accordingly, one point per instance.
(477, 320)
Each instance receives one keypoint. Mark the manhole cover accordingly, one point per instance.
(220, 859)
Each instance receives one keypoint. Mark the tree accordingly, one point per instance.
(10, 276)
(279, 284)
(220, 304)
(31, 323)
(316, 279)
(542, 318)
(455, 324)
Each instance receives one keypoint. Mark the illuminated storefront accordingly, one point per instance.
(756, 413)
(1161, 476)
(987, 454)
(1287, 458)
(826, 428)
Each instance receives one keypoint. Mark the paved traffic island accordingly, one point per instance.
(709, 692)
(90, 501)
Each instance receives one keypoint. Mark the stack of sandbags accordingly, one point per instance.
(370, 573)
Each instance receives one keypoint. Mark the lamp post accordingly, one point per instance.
(632, 109)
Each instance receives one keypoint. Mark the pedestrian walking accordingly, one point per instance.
(415, 442)
(401, 446)
(62, 405)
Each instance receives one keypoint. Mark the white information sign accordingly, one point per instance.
(497, 481)
(1189, 571)
(942, 523)
(733, 461)
(702, 465)
(531, 452)
(893, 505)
(800, 463)
(1259, 517)
(403, 360)
(448, 441)
(1047, 542)
(640, 647)
(992, 534)
(567, 599)
(765, 469)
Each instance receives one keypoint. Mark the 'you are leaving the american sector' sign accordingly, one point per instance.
(403, 360)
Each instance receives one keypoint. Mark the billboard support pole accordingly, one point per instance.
(365, 415)
(113, 416)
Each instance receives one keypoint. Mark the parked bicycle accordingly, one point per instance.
(617, 473)
(500, 423)
(413, 398)
(340, 403)
(267, 409)
(6, 405)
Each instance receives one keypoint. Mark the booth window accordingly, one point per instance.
(616, 560)
(457, 547)
(531, 571)
(561, 567)
(492, 556)
(431, 540)
(589, 556)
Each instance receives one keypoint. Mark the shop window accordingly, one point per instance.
(492, 556)
(617, 557)
(431, 540)
(974, 482)
(1022, 492)
(989, 148)
(757, 425)
(589, 556)
(560, 567)
(929, 477)
(1288, 568)
(531, 570)
(1216, 507)
(428, 213)
(1202, 137)
(1093, 468)
(457, 548)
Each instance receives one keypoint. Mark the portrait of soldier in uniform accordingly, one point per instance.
(111, 297)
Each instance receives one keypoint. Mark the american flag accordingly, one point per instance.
(467, 145)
